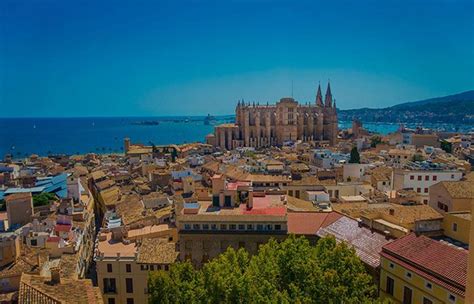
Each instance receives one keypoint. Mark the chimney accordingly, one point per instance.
(387, 234)
(55, 275)
(250, 199)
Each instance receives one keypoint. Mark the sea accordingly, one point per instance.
(22, 137)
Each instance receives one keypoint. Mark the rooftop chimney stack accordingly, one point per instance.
(55, 275)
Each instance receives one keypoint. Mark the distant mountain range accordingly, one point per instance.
(452, 109)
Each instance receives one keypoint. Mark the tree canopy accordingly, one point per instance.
(43, 199)
(291, 271)
(355, 157)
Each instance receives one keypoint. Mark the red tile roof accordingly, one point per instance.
(53, 239)
(278, 211)
(62, 227)
(442, 263)
(308, 223)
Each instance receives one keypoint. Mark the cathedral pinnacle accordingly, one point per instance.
(319, 96)
(328, 97)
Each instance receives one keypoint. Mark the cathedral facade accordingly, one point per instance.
(272, 125)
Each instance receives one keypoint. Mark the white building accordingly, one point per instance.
(422, 178)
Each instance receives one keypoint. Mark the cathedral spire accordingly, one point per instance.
(319, 96)
(328, 97)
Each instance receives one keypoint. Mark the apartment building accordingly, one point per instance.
(449, 196)
(422, 270)
(125, 258)
(420, 177)
(456, 225)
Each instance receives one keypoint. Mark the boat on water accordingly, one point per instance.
(209, 120)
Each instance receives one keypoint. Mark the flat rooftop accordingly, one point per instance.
(109, 248)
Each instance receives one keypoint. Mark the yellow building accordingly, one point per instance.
(470, 279)
(124, 259)
(451, 196)
(456, 225)
(422, 270)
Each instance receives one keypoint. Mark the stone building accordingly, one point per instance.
(269, 125)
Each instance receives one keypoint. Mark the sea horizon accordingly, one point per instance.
(23, 136)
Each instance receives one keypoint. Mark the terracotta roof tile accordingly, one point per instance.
(308, 223)
(446, 262)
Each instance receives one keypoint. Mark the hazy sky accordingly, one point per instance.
(123, 58)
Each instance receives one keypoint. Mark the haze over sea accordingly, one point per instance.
(22, 137)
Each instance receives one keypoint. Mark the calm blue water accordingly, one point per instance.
(25, 136)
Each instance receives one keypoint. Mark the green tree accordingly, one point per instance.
(355, 157)
(43, 199)
(418, 157)
(375, 140)
(292, 271)
(447, 146)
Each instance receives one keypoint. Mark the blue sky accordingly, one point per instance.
(146, 58)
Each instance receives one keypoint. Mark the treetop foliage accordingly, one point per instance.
(291, 271)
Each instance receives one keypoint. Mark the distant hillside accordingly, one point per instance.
(454, 109)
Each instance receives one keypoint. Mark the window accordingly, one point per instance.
(196, 226)
(241, 227)
(452, 298)
(152, 267)
(419, 177)
(232, 227)
(187, 226)
(435, 178)
(34, 243)
(427, 301)
(111, 301)
(205, 226)
(213, 227)
(128, 267)
(390, 286)
(407, 295)
(427, 177)
(391, 265)
(412, 177)
(408, 274)
(277, 227)
(109, 285)
(418, 190)
(259, 227)
(249, 227)
(109, 267)
(455, 227)
(144, 267)
(426, 190)
(452, 176)
(167, 267)
(129, 285)
(428, 285)
(223, 227)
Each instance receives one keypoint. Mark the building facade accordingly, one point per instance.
(422, 270)
(269, 125)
